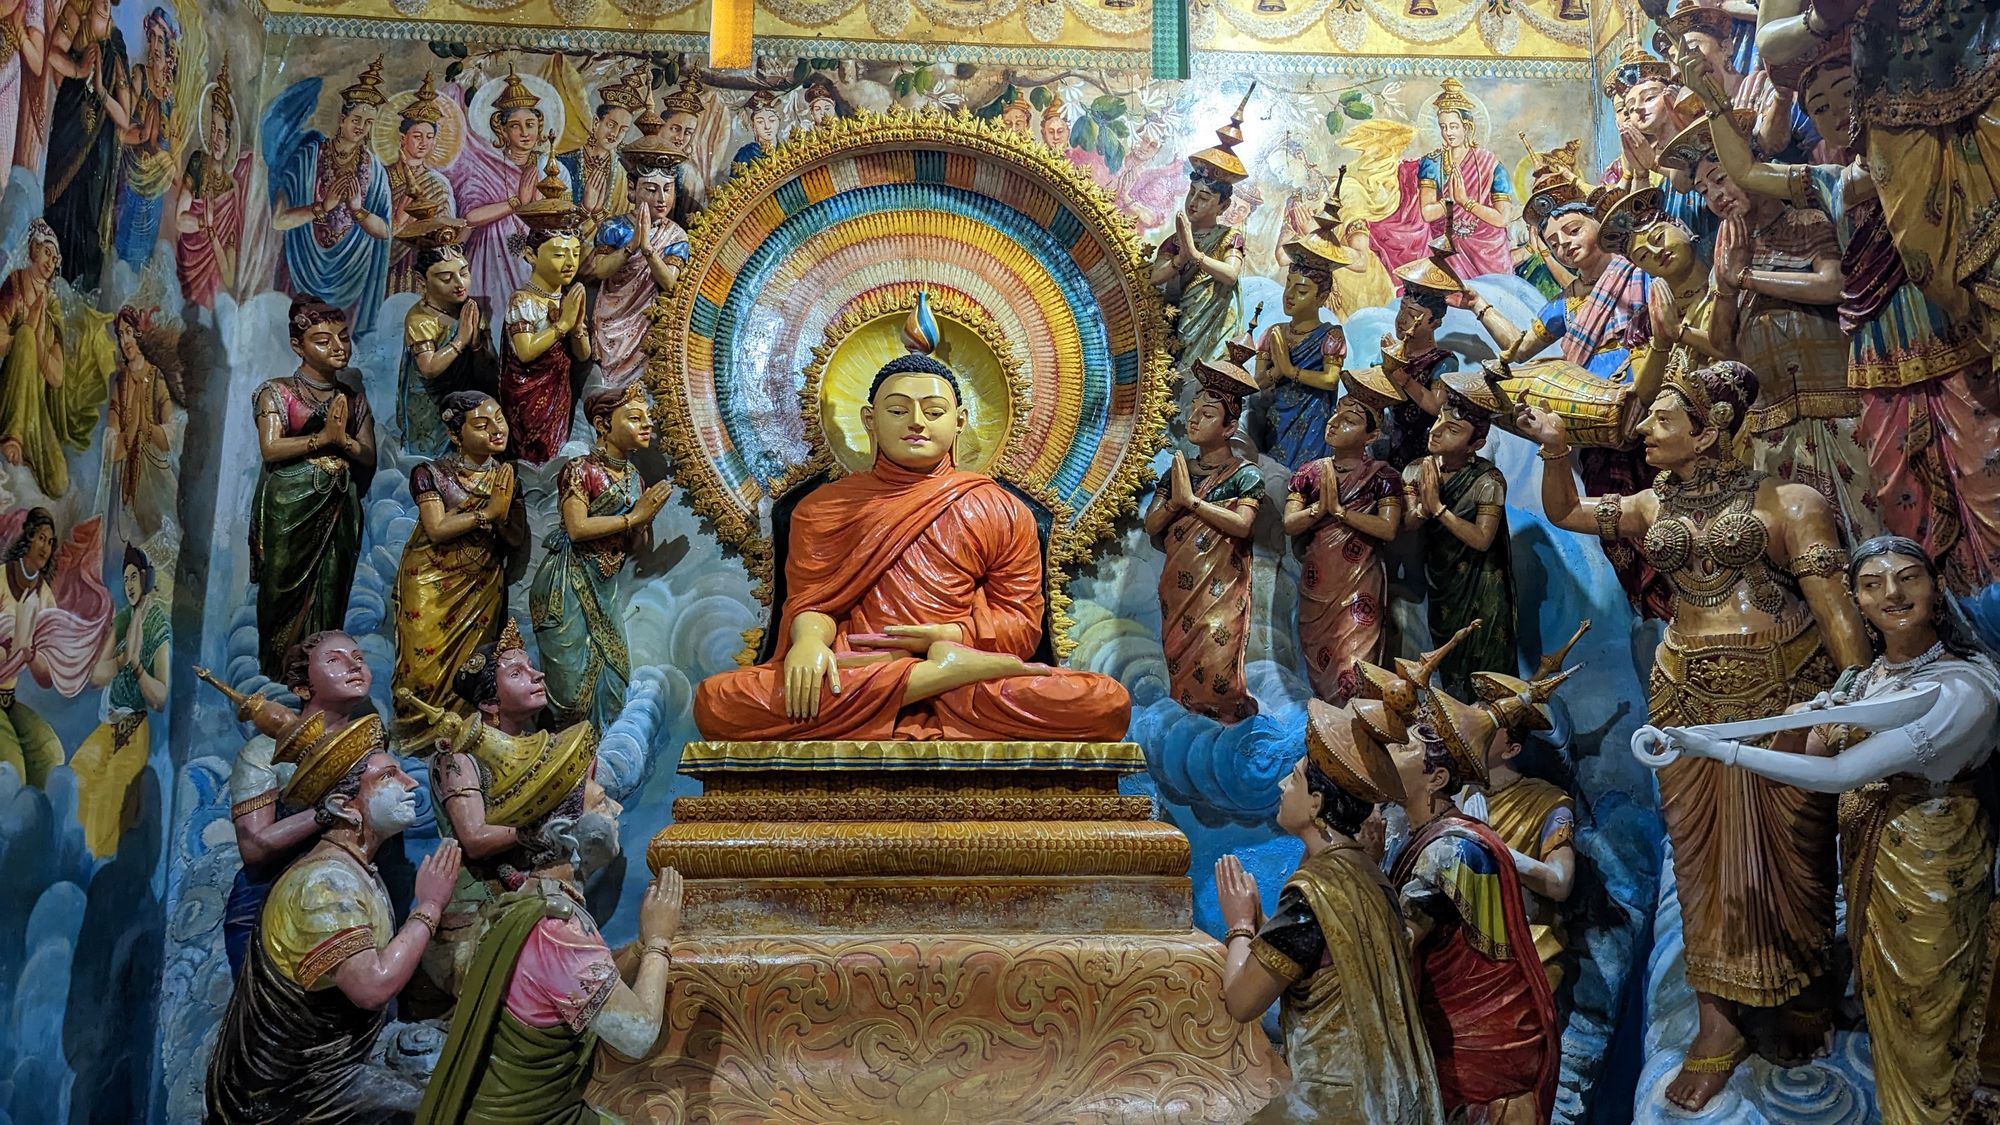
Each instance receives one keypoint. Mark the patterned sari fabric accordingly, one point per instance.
(305, 531)
(1342, 581)
(1205, 601)
(579, 628)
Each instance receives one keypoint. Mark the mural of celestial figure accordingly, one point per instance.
(21, 83)
(133, 673)
(1203, 517)
(937, 569)
(1468, 560)
(142, 107)
(760, 113)
(1917, 842)
(683, 109)
(634, 266)
(144, 426)
(214, 195)
(1535, 817)
(317, 437)
(823, 101)
(1778, 285)
(597, 178)
(607, 515)
(1336, 955)
(543, 992)
(1930, 408)
(1196, 267)
(1474, 182)
(55, 367)
(329, 958)
(494, 181)
(1342, 510)
(330, 199)
(54, 623)
(473, 780)
(1300, 361)
(1762, 619)
(86, 56)
(546, 335)
(445, 347)
(331, 679)
(1017, 112)
(1486, 1004)
(451, 587)
(1056, 131)
(420, 200)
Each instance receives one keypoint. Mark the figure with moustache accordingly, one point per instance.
(1917, 838)
(914, 601)
(328, 674)
(329, 958)
(542, 992)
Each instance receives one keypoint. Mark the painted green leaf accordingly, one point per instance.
(1360, 111)
(926, 80)
(1110, 105)
(1335, 122)
(1039, 97)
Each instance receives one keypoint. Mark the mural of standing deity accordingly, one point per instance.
(145, 424)
(496, 179)
(142, 108)
(54, 622)
(86, 56)
(213, 203)
(421, 203)
(330, 198)
(55, 362)
(132, 670)
(597, 178)
(1465, 187)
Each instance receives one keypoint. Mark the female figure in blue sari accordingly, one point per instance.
(330, 196)
(141, 106)
(1299, 362)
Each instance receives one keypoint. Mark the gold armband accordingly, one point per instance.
(1818, 561)
(1609, 512)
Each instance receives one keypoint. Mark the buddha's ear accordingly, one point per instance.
(867, 415)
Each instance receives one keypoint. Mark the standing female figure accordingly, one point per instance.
(208, 214)
(1343, 510)
(146, 420)
(1299, 361)
(1761, 620)
(1204, 518)
(451, 589)
(546, 335)
(132, 670)
(1916, 840)
(444, 349)
(317, 436)
(573, 602)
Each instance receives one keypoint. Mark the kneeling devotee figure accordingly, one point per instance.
(315, 991)
(1334, 956)
(914, 601)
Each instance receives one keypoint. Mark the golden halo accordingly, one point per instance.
(387, 135)
(869, 333)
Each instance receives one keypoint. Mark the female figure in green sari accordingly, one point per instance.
(54, 376)
(318, 440)
(606, 517)
(1468, 564)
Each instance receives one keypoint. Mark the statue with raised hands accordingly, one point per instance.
(1459, 499)
(914, 601)
(1198, 266)
(1299, 362)
(547, 334)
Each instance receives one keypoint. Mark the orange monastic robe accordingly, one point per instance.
(891, 546)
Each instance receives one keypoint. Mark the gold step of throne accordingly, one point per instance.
(935, 932)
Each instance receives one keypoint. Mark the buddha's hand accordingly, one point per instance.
(916, 639)
(1236, 894)
(807, 665)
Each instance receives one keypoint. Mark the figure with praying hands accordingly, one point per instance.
(547, 334)
(1197, 267)
(1917, 839)
(446, 349)
(1762, 619)
(1342, 510)
(914, 601)
(1459, 499)
(1412, 362)
(1204, 518)
(1298, 362)
(637, 258)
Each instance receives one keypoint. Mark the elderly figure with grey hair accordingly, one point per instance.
(542, 990)
(315, 991)
(638, 258)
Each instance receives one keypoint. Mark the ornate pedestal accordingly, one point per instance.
(936, 932)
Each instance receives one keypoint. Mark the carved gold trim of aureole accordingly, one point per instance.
(720, 245)
(920, 1030)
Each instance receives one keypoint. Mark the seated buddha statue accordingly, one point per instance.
(912, 601)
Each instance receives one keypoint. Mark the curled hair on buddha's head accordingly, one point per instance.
(1955, 629)
(1338, 809)
(309, 311)
(915, 365)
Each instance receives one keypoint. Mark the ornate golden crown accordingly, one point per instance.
(424, 107)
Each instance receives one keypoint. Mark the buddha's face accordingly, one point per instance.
(606, 132)
(1208, 420)
(679, 132)
(483, 434)
(1725, 198)
(1669, 433)
(448, 282)
(1829, 100)
(337, 677)
(1663, 250)
(418, 141)
(1350, 429)
(1302, 294)
(325, 346)
(914, 420)
(1572, 238)
(557, 259)
(1896, 594)
(520, 689)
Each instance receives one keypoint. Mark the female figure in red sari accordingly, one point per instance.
(546, 334)
(1203, 519)
(1465, 185)
(208, 221)
(1342, 510)
(1485, 1001)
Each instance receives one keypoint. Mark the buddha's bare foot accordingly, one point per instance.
(1706, 1069)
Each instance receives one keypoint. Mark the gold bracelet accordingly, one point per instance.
(662, 948)
(1244, 932)
(1561, 454)
(429, 919)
